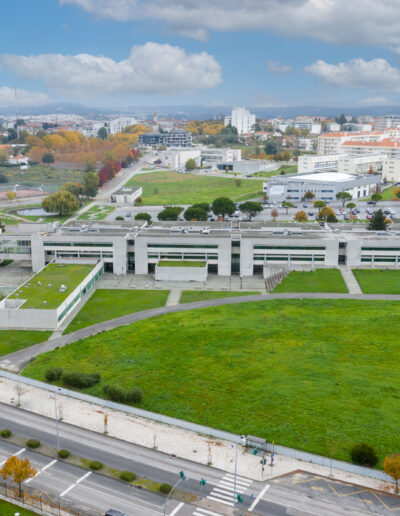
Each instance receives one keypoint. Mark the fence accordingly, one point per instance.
(43, 502)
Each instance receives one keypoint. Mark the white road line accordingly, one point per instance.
(75, 484)
(230, 487)
(177, 508)
(242, 479)
(13, 455)
(220, 501)
(41, 470)
(222, 491)
(223, 496)
(251, 508)
(238, 482)
(205, 511)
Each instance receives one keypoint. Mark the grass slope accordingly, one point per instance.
(378, 281)
(14, 340)
(109, 304)
(320, 280)
(190, 296)
(319, 375)
(9, 509)
(175, 188)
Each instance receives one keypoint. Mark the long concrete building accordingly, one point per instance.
(245, 249)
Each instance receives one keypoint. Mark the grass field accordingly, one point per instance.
(288, 169)
(9, 509)
(378, 281)
(51, 178)
(14, 340)
(97, 213)
(175, 188)
(109, 304)
(319, 280)
(56, 274)
(319, 375)
(190, 296)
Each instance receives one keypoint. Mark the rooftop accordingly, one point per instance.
(336, 177)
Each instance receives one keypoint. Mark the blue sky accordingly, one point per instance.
(214, 52)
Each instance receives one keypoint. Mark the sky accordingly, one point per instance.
(261, 53)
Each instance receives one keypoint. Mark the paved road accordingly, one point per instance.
(94, 491)
(16, 361)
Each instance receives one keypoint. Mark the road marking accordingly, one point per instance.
(13, 455)
(251, 508)
(41, 470)
(228, 487)
(177, 508)
(243, 479)
(205, 511)
(227, 496)
(75, 484)
(232, 483)
(220, 501)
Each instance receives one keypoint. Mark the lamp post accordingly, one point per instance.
(243, 439)
(181, 477)
(56, 414)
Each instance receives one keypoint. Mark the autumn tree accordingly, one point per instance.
(3, 155)
(326, 214)
(301, 216)
(391, 465)
(74, 188)
(18, 471)
(10, 195)
(61, 202)
(309, 195)
(274, 214)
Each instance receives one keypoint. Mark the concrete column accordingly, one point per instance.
(224, 257)
(120, 256)
(38, 253)
(246, 257)
(141, 260)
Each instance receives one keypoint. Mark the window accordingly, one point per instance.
(183, 246)
(77, 244)
(290, 247)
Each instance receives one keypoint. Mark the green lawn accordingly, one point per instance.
(48, 177)
(387, 195)
(9, 509)
(288, 169)
(109, 304)
(14, 340)
(190, 296)
(378, 281)
(319, 280)
(97, 213)
(318, 375)
(175, 188)
(181, 263)
(55, 274)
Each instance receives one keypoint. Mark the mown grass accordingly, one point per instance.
(378, 281)
(319, 280)
(174, 188)
(191, 296)
(109, 304)
(288, 169)
(9, 509)
(97, 213)
(14, 340)
(318, 375)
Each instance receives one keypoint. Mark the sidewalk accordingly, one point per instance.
(350, 280)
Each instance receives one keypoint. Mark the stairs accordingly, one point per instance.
(275, 278)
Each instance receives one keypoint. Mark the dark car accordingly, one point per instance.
(305, 206)
(310, 213)
(370, 202)
(114, 512)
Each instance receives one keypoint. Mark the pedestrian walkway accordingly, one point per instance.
(224, 491)
(174, 297)
(350, 280)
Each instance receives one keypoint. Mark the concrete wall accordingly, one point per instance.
(181, 273)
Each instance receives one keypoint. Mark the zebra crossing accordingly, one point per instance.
(223, 492)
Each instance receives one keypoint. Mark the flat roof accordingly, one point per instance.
(336, 177)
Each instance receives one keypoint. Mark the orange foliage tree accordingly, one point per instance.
(17, 470)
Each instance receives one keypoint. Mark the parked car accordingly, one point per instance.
(305, 206)
(114, 512)
(310, 213)
(371, 202)
(387, 212)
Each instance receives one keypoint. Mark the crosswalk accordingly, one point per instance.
(224, 491)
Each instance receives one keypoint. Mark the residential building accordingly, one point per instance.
(387, 121)
(331, 143)
(242, 119)
(175, 138)
(343, 163)
(334, 127)
(389, 146)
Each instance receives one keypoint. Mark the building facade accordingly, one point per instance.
(242, 119)
(175, 138)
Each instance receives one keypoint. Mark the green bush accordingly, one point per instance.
(95, 465)
(5, 433)
(33, 443)
(64, 454)
(53, 374)
(165, 488)
(128, 476)
(80, 380)
(119, 218)
(133, 395)
(364, 455)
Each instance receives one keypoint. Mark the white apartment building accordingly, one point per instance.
(387, 121)
(331, 143)
(242, 119)
(313, 127)
(334, 127)
(304, 144)
(176, 158)
(389, 146)
(342, 163)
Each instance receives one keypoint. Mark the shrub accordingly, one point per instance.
(165, 488)
(119, 218)
(364, 455)
(80, 380)
(53, 374)
(63, 454)
(128, 476)
(95, 465)
(133, 395)
(5, 433)
(33, 443)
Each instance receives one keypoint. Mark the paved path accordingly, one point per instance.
(350, 280)
(15, 362)
(174, 297)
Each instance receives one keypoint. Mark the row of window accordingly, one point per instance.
(183, 246)
(78, 244)
(291, 258)
(184, 256)
(296, 248)
(380, 249)
(15, 246)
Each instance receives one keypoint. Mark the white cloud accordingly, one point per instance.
(365, 22)
(375, 75)
(150, 69)
(376, 101)
(7, 97)
(278, 68)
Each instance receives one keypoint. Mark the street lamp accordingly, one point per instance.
(243, 441)
(181, 477)
(56, 414)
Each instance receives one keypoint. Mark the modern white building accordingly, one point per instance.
(331, 143)
(126, 195)
(334, 127)
(343, 163)
(242, 119)
(213, 155)
(176, 158)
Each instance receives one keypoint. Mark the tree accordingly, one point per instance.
(364, 455)
(102, 133)
(170, 213)
(274, 214)
(287, 205)
(376, 197)
(271, 147)
(397, 193)
(18, 471)
(343, 196)
(10, 195)
(309, 195)
(326, 214)
(90, 184)
(350, 205)
(48, 158)
(223, 206)
(341, 119)
(3, 178)
(190, 164)
(61, 202)
(195, 213)
(143, 216)
(3, 156)
(301, 216)
(391, 465)
(229, 130)
(251, 208)
(319, 205)
(74, 188)
(377, 222)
